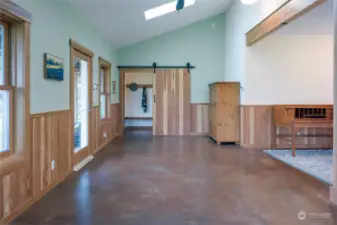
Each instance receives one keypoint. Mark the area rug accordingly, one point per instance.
(317, 163)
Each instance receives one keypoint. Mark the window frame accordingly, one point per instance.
(19, 36)
(105, 67)
(7, 86)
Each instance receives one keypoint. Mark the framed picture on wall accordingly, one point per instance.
(114, 87)
(53, 67)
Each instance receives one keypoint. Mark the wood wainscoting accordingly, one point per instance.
(199, 118)
(322, 141)
(257, 131)
(256, 126)
(51, 140)
(103, 131)
(22, 185)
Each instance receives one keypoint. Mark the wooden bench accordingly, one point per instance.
(304, 116)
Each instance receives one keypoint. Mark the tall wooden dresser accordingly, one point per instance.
(224, 112)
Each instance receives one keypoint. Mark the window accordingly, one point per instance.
(103, 94)
(15, 129)
(6, 102)
(104, 87)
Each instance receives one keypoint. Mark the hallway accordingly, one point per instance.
(145, 180)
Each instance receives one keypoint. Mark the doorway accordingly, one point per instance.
(81, 102)
(170, 99)
(138, 99)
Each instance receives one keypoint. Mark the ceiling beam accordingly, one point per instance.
(289, 11)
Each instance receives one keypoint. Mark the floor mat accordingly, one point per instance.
(317, 163)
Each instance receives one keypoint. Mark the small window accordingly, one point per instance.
(6, 105)
(103, 94)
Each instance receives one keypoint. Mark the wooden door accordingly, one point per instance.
(81, 105)
(172, 94)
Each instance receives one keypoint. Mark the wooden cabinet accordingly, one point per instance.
(224, 112)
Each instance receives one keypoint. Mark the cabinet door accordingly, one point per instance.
(228, 111)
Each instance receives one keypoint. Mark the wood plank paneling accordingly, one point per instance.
(305, 142)
(172, 102)
(256, 126)
(51, 140)
(257, 131)
(105, 130)
(199, 118)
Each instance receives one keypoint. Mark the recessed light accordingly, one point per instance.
(164, 9)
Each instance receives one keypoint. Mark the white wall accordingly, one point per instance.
(290, 69)
(201, 44)
(239, 19)
(54, 23)
(239, 59)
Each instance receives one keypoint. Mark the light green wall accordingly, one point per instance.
(54, 22)
(201, 44)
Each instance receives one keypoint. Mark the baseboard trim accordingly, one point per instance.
(29, 202)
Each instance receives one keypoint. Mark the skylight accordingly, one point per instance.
(164, 9)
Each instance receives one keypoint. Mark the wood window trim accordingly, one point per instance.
(106, 66)
(78, 50)
(19, 74)
(77, 46)
(12, 12)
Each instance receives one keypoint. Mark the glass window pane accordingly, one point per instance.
(103, 107)
(81, 119)
(101, 74)
(2, 75)
(4, 121)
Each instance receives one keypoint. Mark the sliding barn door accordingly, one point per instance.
(171, 111)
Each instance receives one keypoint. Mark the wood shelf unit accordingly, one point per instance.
(224, 112)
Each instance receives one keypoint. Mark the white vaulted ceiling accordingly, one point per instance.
(123, 22)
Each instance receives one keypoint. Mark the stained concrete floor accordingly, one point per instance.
(145, 180)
